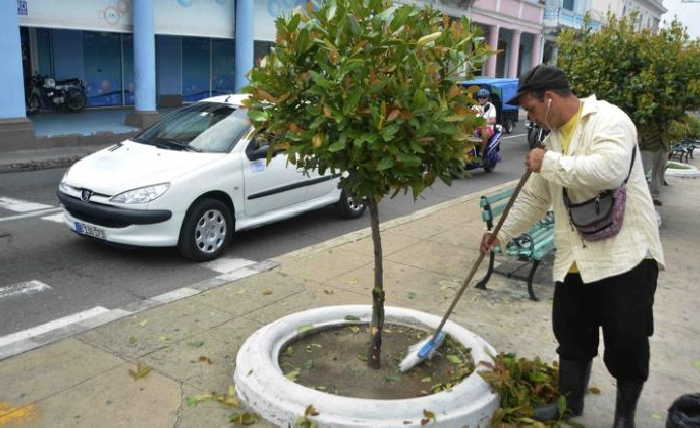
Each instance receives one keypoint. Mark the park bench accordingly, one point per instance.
(683, 150)
(532, 246)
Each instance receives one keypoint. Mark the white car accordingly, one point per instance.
(190, 181)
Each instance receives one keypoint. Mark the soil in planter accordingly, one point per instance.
(335, 361)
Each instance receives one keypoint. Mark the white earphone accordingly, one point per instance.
(549, 102)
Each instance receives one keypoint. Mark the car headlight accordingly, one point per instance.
(141, 195)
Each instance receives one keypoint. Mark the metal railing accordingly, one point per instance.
(558, 16)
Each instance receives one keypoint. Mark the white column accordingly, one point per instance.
(493, 44)
(514, 54)
(537, 49)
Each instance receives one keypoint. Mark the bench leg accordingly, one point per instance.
(482, 284)
(535, 263)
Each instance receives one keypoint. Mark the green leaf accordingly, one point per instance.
(337, 146)
(258, 116)
(197, 344)
(385, 164)
(352, 318)
(411, 295)
(308, 364)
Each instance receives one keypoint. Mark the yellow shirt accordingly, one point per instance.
(567, 131)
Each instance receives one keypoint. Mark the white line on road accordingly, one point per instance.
(52, 325)
(227, 264)
(21, 206)
(26, 288)
(514, 136)
(56, 218)
(30, 215)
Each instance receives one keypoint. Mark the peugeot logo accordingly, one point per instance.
(86, 194)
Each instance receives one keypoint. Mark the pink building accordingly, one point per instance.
(514, 27)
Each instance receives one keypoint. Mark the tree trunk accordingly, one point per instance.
(377, 324)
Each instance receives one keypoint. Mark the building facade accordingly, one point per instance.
(151, 53)
(650, 12)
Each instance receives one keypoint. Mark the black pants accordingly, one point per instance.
(622, 306)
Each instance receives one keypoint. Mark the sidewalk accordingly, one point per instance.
(83, 381)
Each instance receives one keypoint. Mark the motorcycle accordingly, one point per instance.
(47, 93)
(535, 134)
(491, 158)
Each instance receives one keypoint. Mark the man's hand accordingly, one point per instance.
(534, 159)
(485, 247)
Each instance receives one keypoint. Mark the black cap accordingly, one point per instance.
(542, 77)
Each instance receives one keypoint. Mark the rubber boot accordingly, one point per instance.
(573, 382)
(626, 404)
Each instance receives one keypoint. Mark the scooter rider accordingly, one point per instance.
(486, 110)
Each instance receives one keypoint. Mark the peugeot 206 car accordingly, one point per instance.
(190, 181)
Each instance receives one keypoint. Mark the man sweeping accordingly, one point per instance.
(608, 247)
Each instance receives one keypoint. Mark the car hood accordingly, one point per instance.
(130, 165)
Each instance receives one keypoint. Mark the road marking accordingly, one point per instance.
(513, 136)
(20, 206)
(30, 215)
(227, 264)
(52, 325)
(56, 218)
(26, 288)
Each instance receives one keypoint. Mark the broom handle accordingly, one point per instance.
(479, 259)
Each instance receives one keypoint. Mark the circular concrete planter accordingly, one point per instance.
(687, 171)
(262, 386)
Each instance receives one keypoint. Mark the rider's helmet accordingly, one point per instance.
(483, 93)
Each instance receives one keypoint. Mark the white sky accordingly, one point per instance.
(688, 14)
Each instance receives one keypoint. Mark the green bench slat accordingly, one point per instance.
(491, 199)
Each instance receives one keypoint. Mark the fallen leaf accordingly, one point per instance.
(246, 418)
(193, 400)
(203, 359)
(362, 357)
(426, 379)
(454, 359)
(132, 340)
(308, 364)
(355, 330)
(411, 295)
(311, 411)
(429, 416)
(391, 378)
(266, 292)
(196, 344)
(352, 318)
(292, 375)
(141, 371)
(657, 416)
(304, 329)
(289, 351)
(594, 390)
(328, 291)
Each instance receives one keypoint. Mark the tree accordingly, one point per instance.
(654, 76)
(369, 91)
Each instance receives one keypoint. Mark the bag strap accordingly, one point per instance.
(634, 153)
(567, 201)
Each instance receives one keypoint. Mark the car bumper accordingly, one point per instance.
(144, 228)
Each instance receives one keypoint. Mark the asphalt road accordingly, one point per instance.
(48, 272)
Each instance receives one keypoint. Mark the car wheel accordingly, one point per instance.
(348, 207)
(206, 231)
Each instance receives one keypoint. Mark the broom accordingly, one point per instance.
(425, 349)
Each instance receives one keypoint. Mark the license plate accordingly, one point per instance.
(86, 229)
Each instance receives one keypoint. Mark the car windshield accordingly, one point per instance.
(202, 127)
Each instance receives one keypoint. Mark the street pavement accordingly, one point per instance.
(78, 375)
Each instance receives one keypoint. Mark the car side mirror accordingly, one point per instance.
(259, 153)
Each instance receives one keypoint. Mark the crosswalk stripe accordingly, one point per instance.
(21, 206)
(56, 218)
(26, 288)
(52, 325)
(30, 215)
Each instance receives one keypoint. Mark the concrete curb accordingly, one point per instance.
(32, 165)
